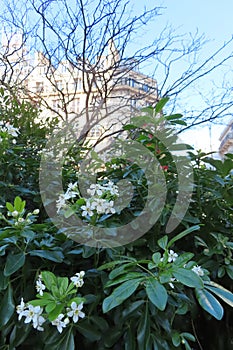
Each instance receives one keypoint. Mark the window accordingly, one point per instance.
(59, 85)
(74, 105)
(39, 86)
(78, 84)
(56, 105)
(96, 131)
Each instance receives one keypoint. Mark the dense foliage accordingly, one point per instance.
(161, 291)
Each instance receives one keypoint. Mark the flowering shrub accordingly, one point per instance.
(161, 291)
(100, 203)
(56, 295)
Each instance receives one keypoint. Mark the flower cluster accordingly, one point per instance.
(16, 217)
(8, 131)
(31, 314)
(72, 308)
(101, 199)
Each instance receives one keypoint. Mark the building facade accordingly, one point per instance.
(226, 138)
(99, 96)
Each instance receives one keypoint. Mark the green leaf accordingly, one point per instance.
(209, 303)
(120, 294)
(88, 330)
(156, 258)
(63, 283)
(162, 242)
(159, 106)
(157, 293)
(64, 341)
(188, 278)
(174, 116)
(143, 331)
(49, 279)
(56, 256)
(7, 307)
(55, 312)
(127, 277)
(40, 302)
(182, 234)
(19, 204)
(220, 291)
(9, 207)
(13, 263)
(50, 306)
(176, 339)
(4, 281)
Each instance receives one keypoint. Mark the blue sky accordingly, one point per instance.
(212, 18)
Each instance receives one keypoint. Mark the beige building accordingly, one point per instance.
(100, 96)
(226, 138)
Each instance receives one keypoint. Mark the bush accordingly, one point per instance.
(159, 291)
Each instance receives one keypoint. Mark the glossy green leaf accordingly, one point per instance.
(182, 234)
(63, 341)
(49, 279)
(120, 294)
(162, 242)
(7, 307)
(56, 256)
(188, 278)
(157, 293)
(55, 312)
(209, 303)
(143, 331)
(162, 102)
(220, 291)
(13, 263)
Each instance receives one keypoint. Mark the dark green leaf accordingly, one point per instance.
(56, 256)
(209, 303)
(162, 242)
(64, 341)
(120, 294)
(182, 234)
(157, 293)
(13, 263)
(143, 331)
(7, 307)
(188, 278)
(220, 291)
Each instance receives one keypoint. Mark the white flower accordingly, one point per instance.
(15, 213)
(172, 256)
(112, 188)
(11, 130)
(33, 314)
(99, 205)
(87, 209)
(75, 311)
(95, 189)
(20, 309)
(59, 323)
(36, 211)
(114, 166)
(61, 202)
(20, 219)
(77, 279)
(198, 270)
(109, 207)
(38, 321)
(40, 286)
